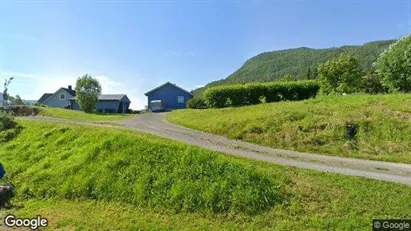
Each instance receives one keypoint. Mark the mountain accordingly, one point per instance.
(273, 65)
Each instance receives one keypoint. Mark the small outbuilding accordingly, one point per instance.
(169, 96)
(116, 103)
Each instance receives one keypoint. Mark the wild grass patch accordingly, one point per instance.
(374, 127)
(110, 179)
(134, 168)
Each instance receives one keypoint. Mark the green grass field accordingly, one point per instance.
(79, 115)
(94, 178)
(376, 127)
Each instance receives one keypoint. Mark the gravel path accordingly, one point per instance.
(156, 124)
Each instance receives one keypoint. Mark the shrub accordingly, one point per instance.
(272, 93)
(8, 135)
(6, 121)
(340, 75)
(393, 66)
(237, 95)
(8, 127)
(371, 83)
(255, 92)
(216, 97)
(240, 95)
(197, 103)
(23, 110)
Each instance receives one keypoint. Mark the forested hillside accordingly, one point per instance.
(298, 62)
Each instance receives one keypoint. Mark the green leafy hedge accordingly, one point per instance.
(240, 95)
(196, 103)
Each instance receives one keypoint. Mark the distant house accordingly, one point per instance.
(60, 98)
(118, 103)
(170, 95)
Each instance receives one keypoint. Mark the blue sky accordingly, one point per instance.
(134, 46)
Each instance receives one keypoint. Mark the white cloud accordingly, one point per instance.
(106, 83)
(133, 89)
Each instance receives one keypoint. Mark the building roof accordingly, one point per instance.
(70, 91)
(168, 83)
(47, 96)
(115, 97)
(44, 97)
(111, 97)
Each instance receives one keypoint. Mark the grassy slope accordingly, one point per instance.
(317, 125)
(72, 114)
(60, 161)
(271, 66)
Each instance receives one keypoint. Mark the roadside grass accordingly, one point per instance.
(376, 127)
(82, 177)
(79, 115)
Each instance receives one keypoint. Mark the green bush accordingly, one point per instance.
(393, 66)
(371, 83)
(237, 95)
(8, 127)
(6, 121)
(197, 103)
(340, 75)
(272, 93)
(216, 97)
(23, 110)
(255, 92)
(240, 95)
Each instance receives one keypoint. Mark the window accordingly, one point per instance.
(180, 99)
(62, 96)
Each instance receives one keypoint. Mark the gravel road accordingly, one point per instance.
(157, 125)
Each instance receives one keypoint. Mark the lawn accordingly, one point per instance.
(79, 115)
(94, 178)
(376, 127)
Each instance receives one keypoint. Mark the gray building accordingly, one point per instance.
(116, 103)
(60, 98)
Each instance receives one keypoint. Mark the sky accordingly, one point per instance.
(134, 46)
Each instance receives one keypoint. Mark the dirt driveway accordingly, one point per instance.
(157, 125)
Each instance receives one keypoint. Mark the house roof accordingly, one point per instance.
(115, 97)
(71, 92)
(47, 96)
(168, 83)
(44, 97)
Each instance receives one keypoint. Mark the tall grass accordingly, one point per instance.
(73, 162)
(363, 126)
(85, 178)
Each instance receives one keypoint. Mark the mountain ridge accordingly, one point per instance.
(274, 65)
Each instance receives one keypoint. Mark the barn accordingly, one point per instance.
(169, 95)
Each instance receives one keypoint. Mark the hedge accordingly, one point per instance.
(196, 103)
(240, 95)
